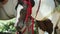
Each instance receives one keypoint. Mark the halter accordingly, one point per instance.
(29, 13)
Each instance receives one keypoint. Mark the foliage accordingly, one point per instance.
(9, 27)
(57, 9)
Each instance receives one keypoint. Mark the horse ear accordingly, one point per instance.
(32, 2)
(4, 2)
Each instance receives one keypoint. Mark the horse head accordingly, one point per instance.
(22, 13)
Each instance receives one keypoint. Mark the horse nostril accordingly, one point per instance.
(17, 26)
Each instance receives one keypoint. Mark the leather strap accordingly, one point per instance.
(38, 8)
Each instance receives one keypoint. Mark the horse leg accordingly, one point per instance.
(54, 30)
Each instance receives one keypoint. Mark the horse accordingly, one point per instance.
(46, 7)
(7, 9)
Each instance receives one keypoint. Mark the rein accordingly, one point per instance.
(38, 8)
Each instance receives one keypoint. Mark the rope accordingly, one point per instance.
(29, 11)
(38, 8)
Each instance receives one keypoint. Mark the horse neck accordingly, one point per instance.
(45, 6)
